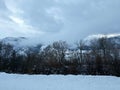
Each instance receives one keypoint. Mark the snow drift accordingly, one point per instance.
(57, 82)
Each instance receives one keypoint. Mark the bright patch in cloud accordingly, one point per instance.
(17, 20)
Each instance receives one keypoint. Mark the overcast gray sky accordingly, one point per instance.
(51, 20)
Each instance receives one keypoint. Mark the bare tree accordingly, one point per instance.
(60, 47)
(80, 47)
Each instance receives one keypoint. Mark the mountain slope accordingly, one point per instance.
(16, 42)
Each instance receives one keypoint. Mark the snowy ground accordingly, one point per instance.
(58, 82)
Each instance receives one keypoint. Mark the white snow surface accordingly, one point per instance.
(58, 82)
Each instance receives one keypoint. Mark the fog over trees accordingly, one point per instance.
(100, 57)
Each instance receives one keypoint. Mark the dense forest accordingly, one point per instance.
(100, 57)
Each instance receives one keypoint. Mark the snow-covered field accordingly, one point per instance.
(58, 82)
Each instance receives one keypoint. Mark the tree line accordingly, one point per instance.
(100, 57)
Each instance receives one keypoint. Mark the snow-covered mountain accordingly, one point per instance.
(20, 44)
(15, 41)
(23, 42)
(97, 36)
(113, 37)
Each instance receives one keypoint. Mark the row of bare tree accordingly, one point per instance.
(100, 57)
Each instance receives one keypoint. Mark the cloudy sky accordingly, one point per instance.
(51, 20)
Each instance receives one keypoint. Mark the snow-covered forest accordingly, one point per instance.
(100, 57)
